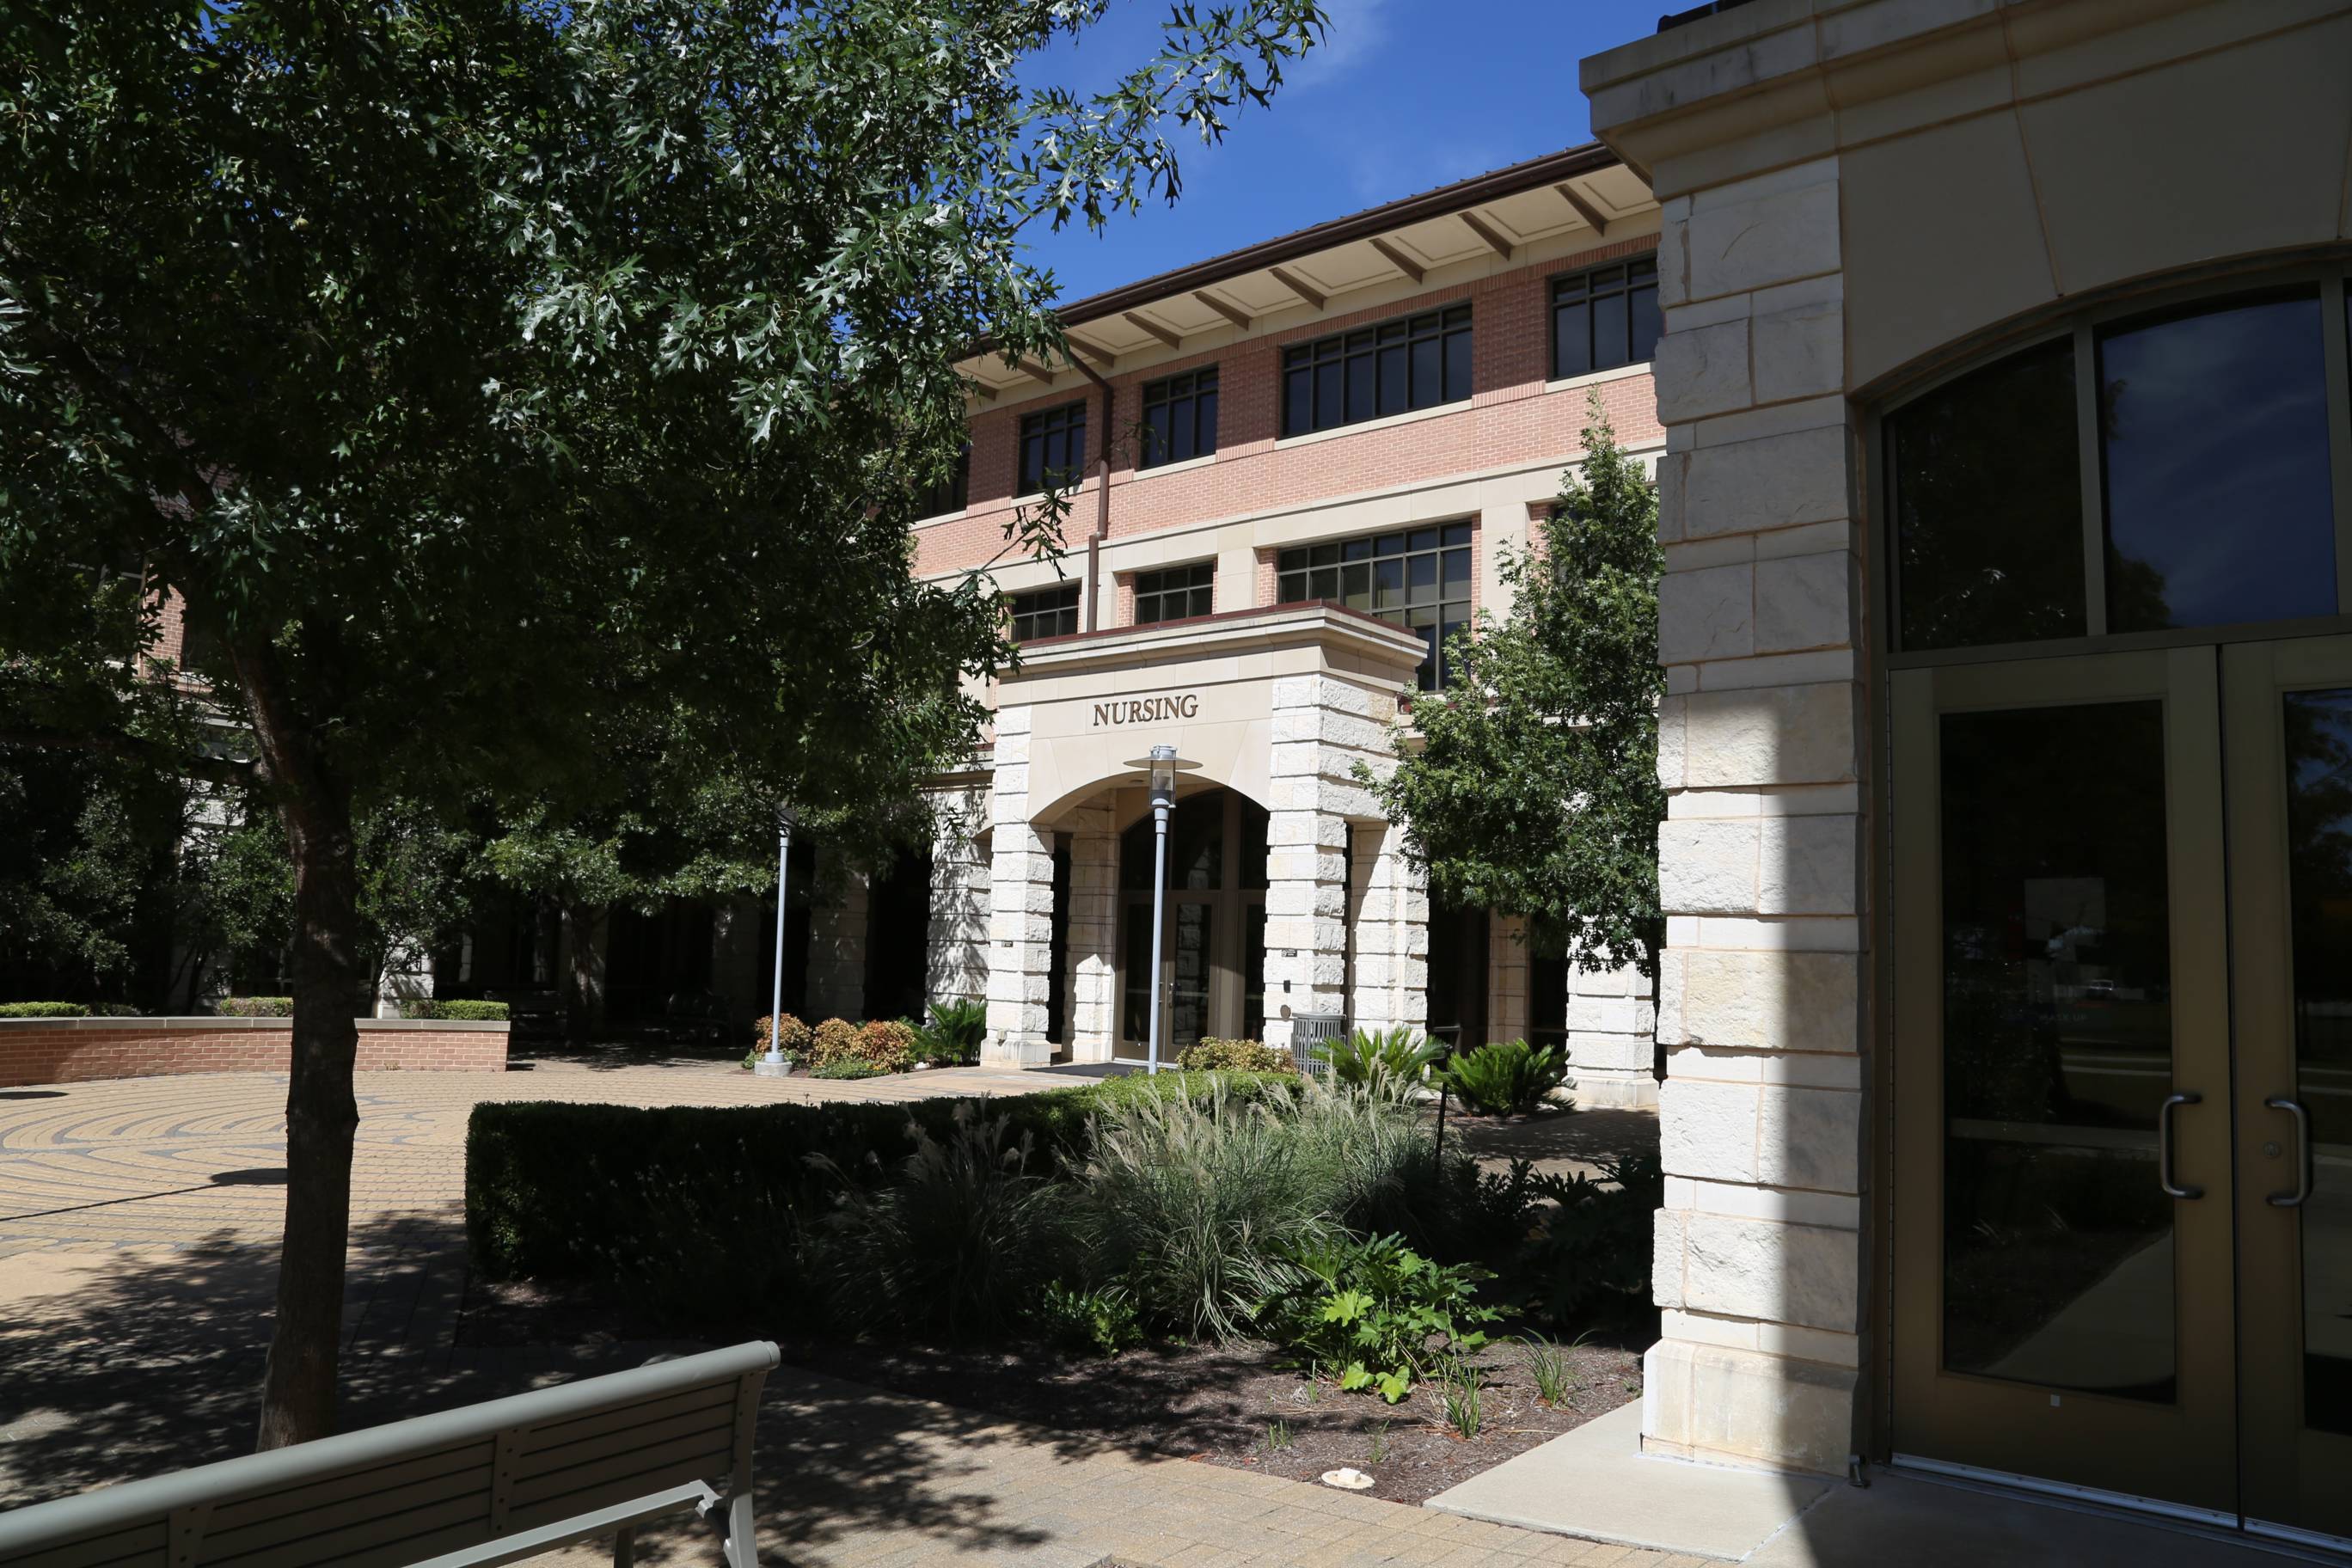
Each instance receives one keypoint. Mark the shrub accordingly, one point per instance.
(957, 1242)
(1234, 1056)
(1399, 1055)
(849, 1067)
(954, 1032)
(1507, 1077)
(886, 1045)
(1197, 1204)
(43, 1010)
(255, 1007)
(457, 1010)
(1590, 1257)
(1101, 1321)
(834, 1040)
(1374, 1313)
(560, 1191)
(792, 1037)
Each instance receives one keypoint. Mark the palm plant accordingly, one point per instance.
(1401, 1056)
(1507, 1077)
(955, 1031)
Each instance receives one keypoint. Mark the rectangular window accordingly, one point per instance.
(1418, 578)
(1053, 447)
(1605, 317)
(1180, 418)
(1418, 362)
(1045, 613)
(1176, 594)
(950, 494)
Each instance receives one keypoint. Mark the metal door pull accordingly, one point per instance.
(2172, 1189)
(2302, 1153)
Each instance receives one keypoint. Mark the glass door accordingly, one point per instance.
(2062, 1288)
(2288, 725)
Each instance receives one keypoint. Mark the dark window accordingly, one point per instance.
(1417, 578)
(952, 493)
(2215, 431)
(1605, 317)
(1175, 594)
(1047, 613)
(1418, 362)
(1988, 505)
(1053, 447)
(1180, 418)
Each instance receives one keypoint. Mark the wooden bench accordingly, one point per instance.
(485, 1484)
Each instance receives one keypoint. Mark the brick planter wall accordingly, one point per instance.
(74, 1050)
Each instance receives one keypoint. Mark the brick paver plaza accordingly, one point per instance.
(139, 1223)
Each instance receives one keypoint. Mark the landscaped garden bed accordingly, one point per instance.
(1252, 1268)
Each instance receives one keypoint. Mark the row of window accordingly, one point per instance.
(1601, 318)
(1416, 578)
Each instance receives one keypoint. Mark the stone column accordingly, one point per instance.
(1391, 919)
(1020, 907)
(407, 978)
(1758, 1265)
(1612, 1039)
(837, 962)
(956, 963)
(1092, 956)
(1322, 726)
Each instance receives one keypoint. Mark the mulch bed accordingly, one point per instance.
(1233, 1404)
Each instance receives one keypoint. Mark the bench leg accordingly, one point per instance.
(742, 1543)
(624, 1546)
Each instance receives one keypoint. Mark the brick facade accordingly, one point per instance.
(1513, 413)
(77, 1050)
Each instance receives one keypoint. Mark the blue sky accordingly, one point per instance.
(1405, 95)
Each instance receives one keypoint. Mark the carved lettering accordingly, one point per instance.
(1162, 709)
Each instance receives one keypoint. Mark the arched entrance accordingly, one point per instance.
(1212, 942)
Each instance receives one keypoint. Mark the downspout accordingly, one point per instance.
(1102, 497)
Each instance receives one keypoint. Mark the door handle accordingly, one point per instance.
(2172, 1189)
(2302, 1153)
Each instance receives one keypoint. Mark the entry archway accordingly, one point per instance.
(1212, 943)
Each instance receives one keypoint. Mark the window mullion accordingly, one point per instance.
(2095, 488)
(2338, 350)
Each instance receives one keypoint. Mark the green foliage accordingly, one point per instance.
(255, 1007)
(1400, 1056)
(1278, 1437)
(834, 1040)
(1212, 1054)
(1590, 1257)
(1536, 791)
(1507, 1077)
(957, 1242)
(458, 1010)
(954, 1032)
(1100, 1321)
(1372, 1312)
(1462, 1384)
(44, 1010)
(562, 1191)
(1547, 1364)
(849, 1067)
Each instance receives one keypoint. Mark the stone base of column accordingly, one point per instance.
(1611, 1088)
(1015, 1051)
(1722, 1405)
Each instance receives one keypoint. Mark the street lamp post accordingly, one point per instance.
(1161, 768)
(774, 1065)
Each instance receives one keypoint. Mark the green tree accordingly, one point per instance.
(489, 376)
(1533, 788)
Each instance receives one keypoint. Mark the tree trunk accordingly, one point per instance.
(298, 1390)
(583, 973)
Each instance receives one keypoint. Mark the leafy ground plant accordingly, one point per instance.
(1507, 1077)
(1461, 1389)
(1101, 1321)
(952, 1035)
(1401, 1055)
(1372, 1313)
(1548, 1365)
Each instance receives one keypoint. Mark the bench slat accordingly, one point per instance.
(718, 1422)
(702, 1457)
(141, 1544)
(458, 1517)
(711, 1396)
(257, 1507)
(579, 1526)
(385, 1510)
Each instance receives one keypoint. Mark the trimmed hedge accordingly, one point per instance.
(43, 1010)
(255, 1007)
(457, 1010)
(639, 1195)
